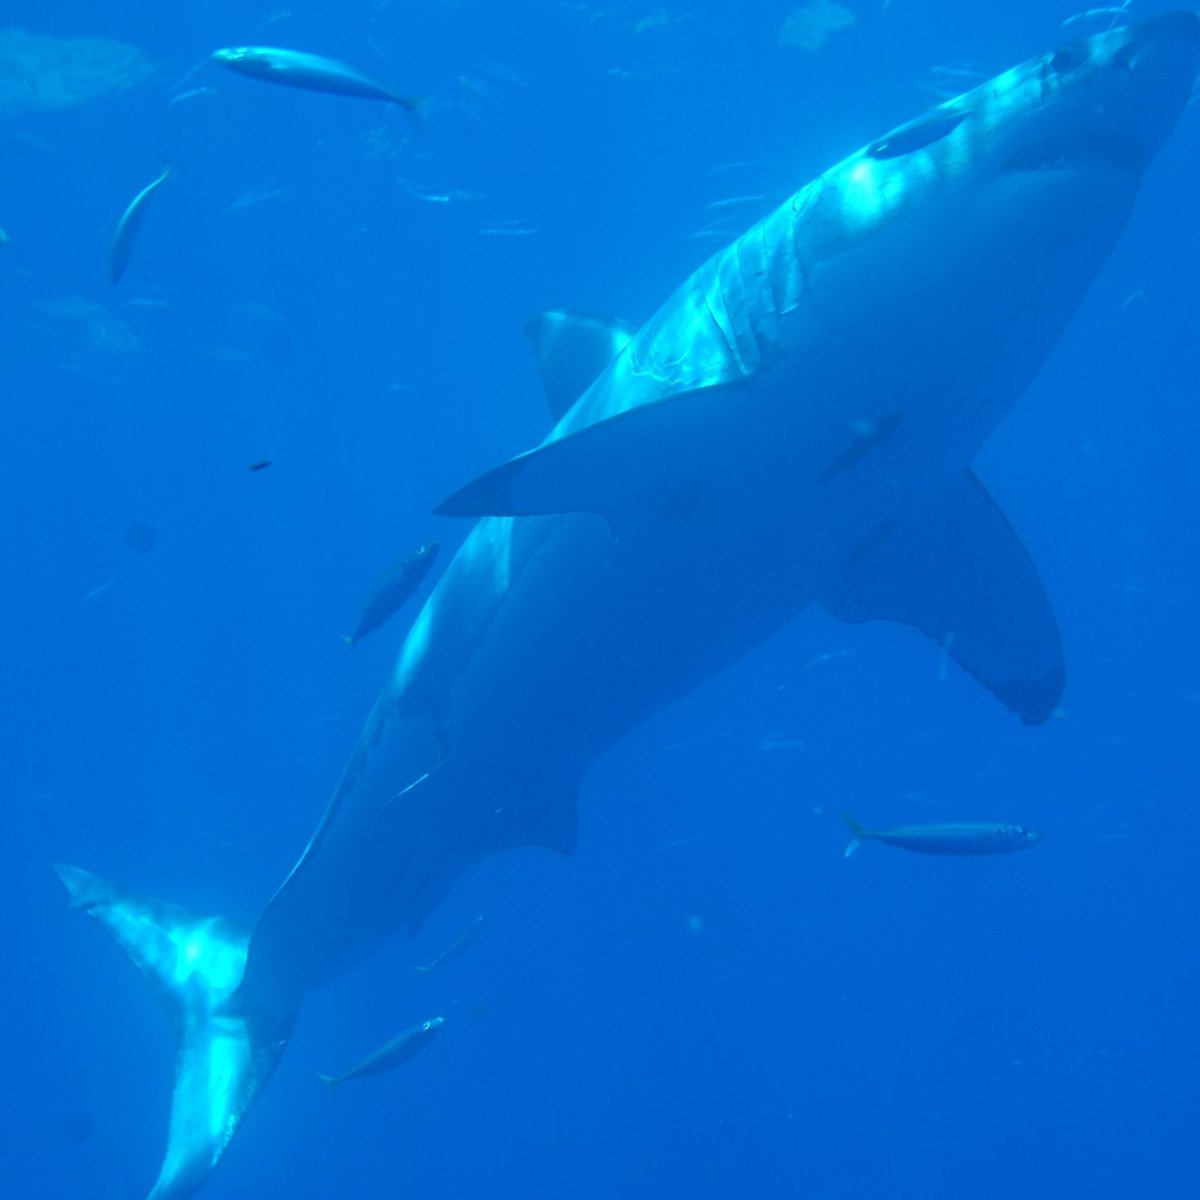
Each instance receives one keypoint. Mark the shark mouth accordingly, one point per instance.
(1100, 153)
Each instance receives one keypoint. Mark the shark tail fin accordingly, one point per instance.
(857, 834)
(225, 1054)
(329, 1081)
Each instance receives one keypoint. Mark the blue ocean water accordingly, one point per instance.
(706, 999)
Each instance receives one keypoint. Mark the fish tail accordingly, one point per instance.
(348, 638)
(329, 1081)
(857, 832)
(424, 970)
(226, 1052)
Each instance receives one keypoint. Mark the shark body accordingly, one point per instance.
(795, 424)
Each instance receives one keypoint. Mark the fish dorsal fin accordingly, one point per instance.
(572, 348)
(954, 567)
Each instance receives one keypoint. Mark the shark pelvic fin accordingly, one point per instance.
(954, 568)
(224, 1058)
(572, 349)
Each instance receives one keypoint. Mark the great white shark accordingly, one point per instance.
(795, 424)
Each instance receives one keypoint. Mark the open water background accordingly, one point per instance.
(706, 1000)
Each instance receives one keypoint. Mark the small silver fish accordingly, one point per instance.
(127, 228)
(713, 233)
(191, 94)
(732, 202)
(966, 837)
(464, 941)
(396, 587)
(1112, 13)
(391, 1054)
(510, 229)
(294, 68)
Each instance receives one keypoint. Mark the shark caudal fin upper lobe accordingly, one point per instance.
(225, 1053)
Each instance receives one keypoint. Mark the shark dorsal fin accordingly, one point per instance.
(572, 349)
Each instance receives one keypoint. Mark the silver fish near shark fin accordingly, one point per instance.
(572, 350)
(393, 1053)
(224, 1058)
(393, 591)
(955, 568)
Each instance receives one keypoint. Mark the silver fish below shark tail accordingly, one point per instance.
(225, 1055)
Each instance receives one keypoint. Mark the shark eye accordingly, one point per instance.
(1065, 60)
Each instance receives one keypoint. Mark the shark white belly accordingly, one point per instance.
(795, 424)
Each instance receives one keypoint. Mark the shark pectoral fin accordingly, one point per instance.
(628, 462)
(954, 568)
(572, 349)
(224, 1057)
